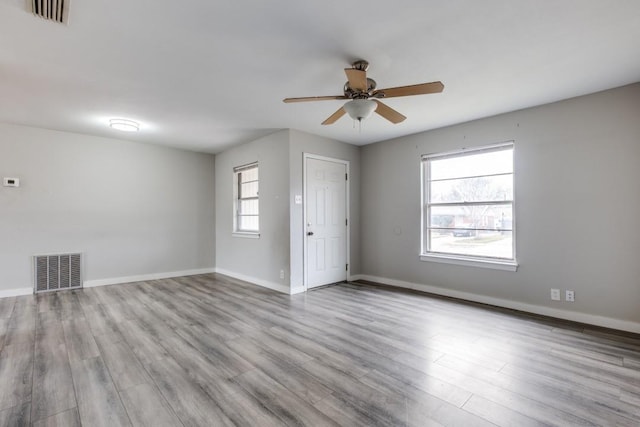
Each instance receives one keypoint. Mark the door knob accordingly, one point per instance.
(309, 233)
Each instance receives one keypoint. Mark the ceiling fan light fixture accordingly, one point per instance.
(124, 125)
(360, 109)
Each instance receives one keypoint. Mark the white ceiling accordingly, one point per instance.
(204, 75)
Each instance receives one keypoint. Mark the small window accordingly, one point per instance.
(467, 207)
(246, 206)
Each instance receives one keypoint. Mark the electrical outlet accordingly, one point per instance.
(282, 274)
(555, 294)
(569, 296)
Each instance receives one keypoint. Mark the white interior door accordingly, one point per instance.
(326, 222)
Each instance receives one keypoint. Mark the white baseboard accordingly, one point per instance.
(145, 277)
(297, 290)
(591, 319)
(18, 292)
(254, 280)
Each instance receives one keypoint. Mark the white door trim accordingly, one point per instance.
(306, 156)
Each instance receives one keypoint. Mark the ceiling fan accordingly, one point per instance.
(363, 96)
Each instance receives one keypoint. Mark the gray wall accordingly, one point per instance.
(132, 209)
(258, 260)
(577, 205)
(280, 246)
(301, 143)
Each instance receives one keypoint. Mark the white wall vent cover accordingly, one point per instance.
(57, 272)
(54, 10)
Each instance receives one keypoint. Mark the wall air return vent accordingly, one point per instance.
(57, 272)
(53, 10)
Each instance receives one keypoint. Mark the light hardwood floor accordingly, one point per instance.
(209, 350)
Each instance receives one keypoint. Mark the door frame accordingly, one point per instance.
(305, 269)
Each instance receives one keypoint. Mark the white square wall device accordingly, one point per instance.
(11, 182)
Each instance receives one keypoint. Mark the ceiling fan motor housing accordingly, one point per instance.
(351, 93)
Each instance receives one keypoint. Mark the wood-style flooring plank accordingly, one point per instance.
(68, 418)
(292, 377)
(388, 402)
(345, 413)
(6, 307)
(280, 401)
(98, 400)
(53, 390)
(432, 386)
(225, 363)
(189, 401)
(498, 414)
(4, 324)
(21, 329)
(16, 416)
(382, 407)
(240, 407)
(146, 407)
(562, 400)
(16, 373)
(125, 368)
(80, 342)
(101, 322)
(145, 346)
(24, 305)
(70, 306)
(312, 347)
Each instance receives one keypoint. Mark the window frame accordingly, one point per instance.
(238, 198)
(500, 263)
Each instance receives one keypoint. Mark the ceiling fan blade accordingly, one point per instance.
(419, 89)
(314, 98)
(357, 79)
(334, 117)
(389, 113)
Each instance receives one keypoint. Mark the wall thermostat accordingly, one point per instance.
(11, 182)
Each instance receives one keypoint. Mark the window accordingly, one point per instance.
(246, 206)
(467, 209)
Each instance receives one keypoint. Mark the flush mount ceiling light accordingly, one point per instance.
(124, 125)
(360, 109)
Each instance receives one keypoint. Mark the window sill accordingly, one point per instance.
(246, 235)
(469, 262)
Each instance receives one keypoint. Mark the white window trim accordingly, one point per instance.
(458, 259)
(235, 232)
(497, 264)
(246, 234)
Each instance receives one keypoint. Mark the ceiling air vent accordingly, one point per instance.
(53, 10)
